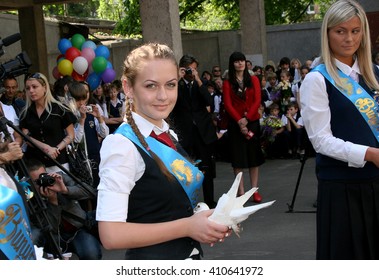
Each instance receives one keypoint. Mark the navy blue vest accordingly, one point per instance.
(347, 124)
(154, 199)
(92, 141)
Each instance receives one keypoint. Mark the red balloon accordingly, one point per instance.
(72, 53)
(56, 73)
(79, 77)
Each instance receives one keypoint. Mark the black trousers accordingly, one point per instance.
(199, 150)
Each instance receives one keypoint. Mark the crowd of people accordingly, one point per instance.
(153, 139)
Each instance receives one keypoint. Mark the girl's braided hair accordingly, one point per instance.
(132, 65)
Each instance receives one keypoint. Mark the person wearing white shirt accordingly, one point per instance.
(344, 136)
(142, 205)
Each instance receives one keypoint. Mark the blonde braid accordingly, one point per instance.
(141, 138)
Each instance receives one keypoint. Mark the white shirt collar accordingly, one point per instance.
(147, 127)
(346, 69)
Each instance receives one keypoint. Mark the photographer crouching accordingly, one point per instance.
(73, 227)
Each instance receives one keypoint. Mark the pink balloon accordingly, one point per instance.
(88, 54)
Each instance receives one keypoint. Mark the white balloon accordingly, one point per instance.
(80, 65)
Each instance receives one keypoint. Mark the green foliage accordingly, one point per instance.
(111, 9)
(194, 14)
(130, 24)
(209, 15)
(285, 12)
(85, 9)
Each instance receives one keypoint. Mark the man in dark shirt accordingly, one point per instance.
(9, 96)
(192, 120)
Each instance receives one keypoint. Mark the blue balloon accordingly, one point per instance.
(63, 45)
(109, 65)
(102, 51)
(89, 44)
(93, 81)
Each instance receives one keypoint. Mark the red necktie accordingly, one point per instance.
(164, 138)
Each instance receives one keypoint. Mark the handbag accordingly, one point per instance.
(80, 165)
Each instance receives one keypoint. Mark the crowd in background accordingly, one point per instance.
(67, 113)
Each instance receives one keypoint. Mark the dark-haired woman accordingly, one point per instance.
(242, 98)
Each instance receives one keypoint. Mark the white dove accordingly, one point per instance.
(229, 210)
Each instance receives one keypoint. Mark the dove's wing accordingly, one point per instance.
(234, 188)
(241, 200)
(241, 214)
(226, 202)
(222, 210)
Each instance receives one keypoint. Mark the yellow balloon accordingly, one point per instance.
(65, 67)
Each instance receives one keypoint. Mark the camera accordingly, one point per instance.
(45, 180)
(89, 109)
(188, 71)
(15, 67)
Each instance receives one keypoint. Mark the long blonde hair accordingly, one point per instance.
(132, 66)
(48, 98)
(339, 12)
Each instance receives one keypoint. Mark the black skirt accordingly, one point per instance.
(245, 153)
(348, 220)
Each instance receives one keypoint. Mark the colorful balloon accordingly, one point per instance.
(93, 81)
(89, 44)
(108, 75)
(102, 51)
(88, 54)
(72, 53)
(78, 77)
(77, 41)
(109, 64)
(56, 73)
(99, 64)
(63, 45)
(65, 67)
(80, 65)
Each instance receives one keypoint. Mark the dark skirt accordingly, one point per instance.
(245, 153)
(347, 220)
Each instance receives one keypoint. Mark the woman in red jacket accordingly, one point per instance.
(242, 97)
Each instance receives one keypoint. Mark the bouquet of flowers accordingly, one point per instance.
(269, 125)
(282, 92)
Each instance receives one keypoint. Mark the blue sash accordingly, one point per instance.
(188, 175)
(363, 101)
(15, 234)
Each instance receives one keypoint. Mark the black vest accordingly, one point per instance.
(155, 199)
(348, 125)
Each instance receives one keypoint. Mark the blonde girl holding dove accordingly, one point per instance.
(147, 189)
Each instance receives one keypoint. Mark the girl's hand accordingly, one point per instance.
(95, 111)
(200, 228)
(83, 111)
(53, 152)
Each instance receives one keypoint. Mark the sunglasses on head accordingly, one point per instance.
(38, 77)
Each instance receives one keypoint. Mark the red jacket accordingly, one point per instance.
(236, 107)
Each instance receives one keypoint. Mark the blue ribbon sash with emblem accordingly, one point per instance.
(362, 100)
(188, 175)
(15, 234)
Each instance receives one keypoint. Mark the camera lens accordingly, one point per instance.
(188, 71)
(45, 180)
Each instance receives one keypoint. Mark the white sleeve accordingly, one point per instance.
(316, 116)
(120, 167)
(101, 128)
(79, 133)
